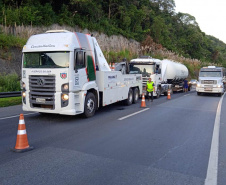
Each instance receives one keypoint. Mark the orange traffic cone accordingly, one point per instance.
(168, 96)
(113, 67)
(22, 141)
(143, 101)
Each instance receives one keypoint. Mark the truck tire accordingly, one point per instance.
(129, 100)
(158, 93)
(198, 93)
(90, 105)
(171, 91)
(135, 95)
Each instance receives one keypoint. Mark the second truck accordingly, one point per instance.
(166, 74)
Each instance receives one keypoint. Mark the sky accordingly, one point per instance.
(209, 14)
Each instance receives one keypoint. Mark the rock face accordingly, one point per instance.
(14, 64)
(114, 43)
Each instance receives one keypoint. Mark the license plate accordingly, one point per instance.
(208, 89)
(40, 100)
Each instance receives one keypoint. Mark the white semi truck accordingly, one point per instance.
(212, 79)
(165, 74)
(66, 73)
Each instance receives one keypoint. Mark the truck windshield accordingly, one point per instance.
(46, 60)
(210, 74)
(145, 70)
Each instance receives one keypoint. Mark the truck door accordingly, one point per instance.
(80, 75)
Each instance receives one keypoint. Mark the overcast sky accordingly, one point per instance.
(209, 14)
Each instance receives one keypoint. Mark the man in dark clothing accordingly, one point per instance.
(185, 85)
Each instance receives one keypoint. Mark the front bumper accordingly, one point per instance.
(210, 89)
(75, 105)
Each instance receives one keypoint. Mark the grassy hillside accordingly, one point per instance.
(177, 32)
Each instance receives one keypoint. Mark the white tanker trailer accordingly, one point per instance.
(165, 74)
(174, 73)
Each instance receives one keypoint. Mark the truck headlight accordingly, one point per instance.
(198, 85)
(219, 86)
(24, 97)
(65, 87)
(65, 97)
(22, 85)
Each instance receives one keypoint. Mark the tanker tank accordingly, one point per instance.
(173, 71)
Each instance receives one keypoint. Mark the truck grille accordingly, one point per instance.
(144, 80)
(42, 90)
(208, 81)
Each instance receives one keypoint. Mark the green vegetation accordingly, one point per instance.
(9, 83)
(113, 57)
(7, 41)
(5, 102)
(177, 32)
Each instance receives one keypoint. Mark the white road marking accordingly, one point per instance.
(122, 118)
(18, 116)
(187, 95)
(212, 171)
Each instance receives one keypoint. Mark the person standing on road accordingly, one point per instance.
(150, 87)
(185, 85)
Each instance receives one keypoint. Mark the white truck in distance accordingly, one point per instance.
(165, 74)
(212, 79)
(66, 73)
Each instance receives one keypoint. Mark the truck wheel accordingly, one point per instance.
(158, 93)
(129, 100)
(135, 95)
(90, 105)
(171, 91)
(198, 93)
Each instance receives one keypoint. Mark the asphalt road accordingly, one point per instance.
(168, 143)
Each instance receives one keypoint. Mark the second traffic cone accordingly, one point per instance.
(22, 141)
(143, 101)
(113, 66)
(168, 96)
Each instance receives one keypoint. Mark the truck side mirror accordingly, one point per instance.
(159, 71)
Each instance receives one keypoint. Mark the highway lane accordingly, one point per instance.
(167, 144)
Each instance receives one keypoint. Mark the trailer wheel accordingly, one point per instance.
(90, 105)
(135, 95)
(129, 100)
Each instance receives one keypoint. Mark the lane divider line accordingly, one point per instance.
(122, 118)
(212, 170)
(187, 95)
(18, 116)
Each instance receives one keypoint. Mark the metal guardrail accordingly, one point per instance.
(10, 94)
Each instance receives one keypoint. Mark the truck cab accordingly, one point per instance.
(149, 68)
(212, 79)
